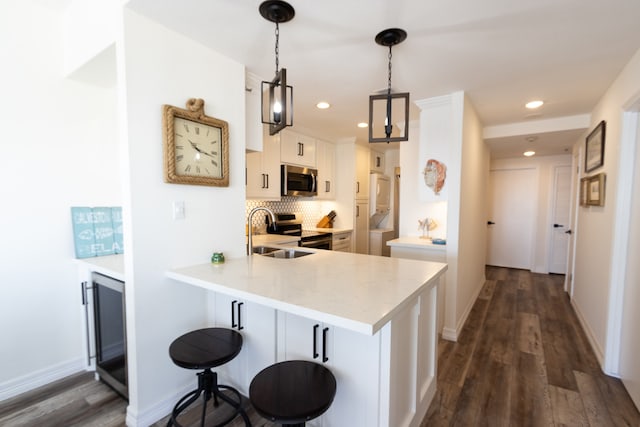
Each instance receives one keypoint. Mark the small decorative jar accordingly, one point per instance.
(217, 258)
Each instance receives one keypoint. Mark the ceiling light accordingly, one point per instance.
(532, 105)
(363, 125)
(529, 153)
(276, 96)
(323, 105)
(383, 109)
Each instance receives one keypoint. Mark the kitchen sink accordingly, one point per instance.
(287, 253)
(263, 250)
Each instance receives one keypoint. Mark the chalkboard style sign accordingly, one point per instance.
(97, 231)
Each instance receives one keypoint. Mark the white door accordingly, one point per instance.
(560, 220)
(512, 209)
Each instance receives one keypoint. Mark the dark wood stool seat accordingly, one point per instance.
(292, 392)
(205, 349)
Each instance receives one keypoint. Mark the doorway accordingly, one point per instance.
(512, 208)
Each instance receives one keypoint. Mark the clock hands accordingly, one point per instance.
(195, 147)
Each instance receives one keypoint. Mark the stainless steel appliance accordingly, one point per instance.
(288, 224)
(110, 335)
(298, 181)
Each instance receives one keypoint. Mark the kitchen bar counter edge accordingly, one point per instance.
(356, 292)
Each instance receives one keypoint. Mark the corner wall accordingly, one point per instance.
(159, 67)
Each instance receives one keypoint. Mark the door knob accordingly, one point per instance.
(567, 232)
(557, 225)
(490, 223)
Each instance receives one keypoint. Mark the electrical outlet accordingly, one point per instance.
(178, 210)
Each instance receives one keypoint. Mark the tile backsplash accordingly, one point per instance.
(309, 211)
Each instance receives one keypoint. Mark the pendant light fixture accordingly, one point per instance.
(276, 95)
(386, 108)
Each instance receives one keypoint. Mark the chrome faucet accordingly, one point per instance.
(250, 225)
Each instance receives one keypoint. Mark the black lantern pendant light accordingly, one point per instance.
(386, 108)
(277, 96)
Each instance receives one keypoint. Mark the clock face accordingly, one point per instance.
(198, 149)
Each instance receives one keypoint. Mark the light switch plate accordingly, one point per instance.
(178, 210)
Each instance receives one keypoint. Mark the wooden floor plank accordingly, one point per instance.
(522, 359)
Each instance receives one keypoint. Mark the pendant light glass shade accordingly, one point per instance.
(389, 112)
(276, 96)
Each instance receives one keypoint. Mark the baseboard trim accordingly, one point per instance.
(33, 380)
(157, 411)
(451, 334)
(590, 336)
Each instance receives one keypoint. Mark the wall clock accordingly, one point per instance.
(196, 146)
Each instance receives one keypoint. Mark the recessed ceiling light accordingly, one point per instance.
(323, 105)
(532, 105)
(529, 153)
(363, 125)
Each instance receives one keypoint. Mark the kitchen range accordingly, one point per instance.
(287, 224)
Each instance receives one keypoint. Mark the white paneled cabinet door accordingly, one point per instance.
(361, 230)
(257, 324)
(326, 154)
(297, 149)
(353, 359)
(263, 171)
(362, 173)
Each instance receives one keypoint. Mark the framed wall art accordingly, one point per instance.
(594, 148)
(596, 189)
(584, 188)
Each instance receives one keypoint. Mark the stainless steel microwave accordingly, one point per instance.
(298, 181)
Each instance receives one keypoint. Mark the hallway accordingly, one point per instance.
(523, 360)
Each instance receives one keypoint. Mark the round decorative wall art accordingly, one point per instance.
(434, 175)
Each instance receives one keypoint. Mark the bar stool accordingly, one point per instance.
(292, 392)
(205, 349)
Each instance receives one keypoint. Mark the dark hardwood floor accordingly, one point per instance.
(522, 360)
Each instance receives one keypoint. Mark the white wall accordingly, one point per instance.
(163, 67)
(472, 214)
(59, 150)
(594, 284)
(450, 131)
(543, 200)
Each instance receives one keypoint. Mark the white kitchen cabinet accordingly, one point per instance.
(378, 239)
(341, 241)
(257, 324)
(361, 228)
(263, 170)
(350, 356)
(377, 162)
(326, 159)
(253, 111)
(297, 149)
(362, 173)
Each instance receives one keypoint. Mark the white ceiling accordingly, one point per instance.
(502, 53)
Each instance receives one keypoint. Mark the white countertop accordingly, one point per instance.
(109, 265)
(357, 292)
(329, 230)
(416, 242)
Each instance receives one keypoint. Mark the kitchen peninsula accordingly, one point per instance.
(371, 320)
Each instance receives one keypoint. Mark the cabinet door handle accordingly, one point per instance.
(240, 327)
(300, 149)
(233, 313)
(324, 345)
(267, 176)
(315, 339)
(357, 211)
(357, 186)
(327, 186)
(377, 161)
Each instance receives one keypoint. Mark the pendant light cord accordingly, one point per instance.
(278, 49)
